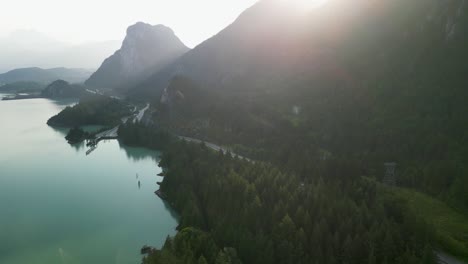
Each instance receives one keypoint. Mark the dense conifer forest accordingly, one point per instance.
(236, 211)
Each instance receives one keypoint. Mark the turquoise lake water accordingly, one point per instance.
(60, 206)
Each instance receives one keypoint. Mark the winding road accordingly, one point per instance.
(214, 147)
(113, 132)
(447, 259)
(140, 115)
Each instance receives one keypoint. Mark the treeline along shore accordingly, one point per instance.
(235, 211)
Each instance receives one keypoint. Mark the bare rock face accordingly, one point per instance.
(145, 50)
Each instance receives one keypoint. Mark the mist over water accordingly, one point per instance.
(60, 206)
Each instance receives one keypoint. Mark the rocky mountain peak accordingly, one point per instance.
(145, 50)
(140, 28)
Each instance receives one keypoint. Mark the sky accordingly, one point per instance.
(82, 21)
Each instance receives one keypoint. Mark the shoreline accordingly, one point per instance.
(160, 194)
(22, 97)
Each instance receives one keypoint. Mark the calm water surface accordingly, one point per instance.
(58, 205)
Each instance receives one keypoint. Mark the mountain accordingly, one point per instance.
(63, 89)
(21, 87)
(255, 49)
(145, 50)
(26, 48)
(365, 80)
(326, 97)
(44, 76)
(329, 95)
(274, 42)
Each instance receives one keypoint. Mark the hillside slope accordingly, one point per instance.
(369, 81)
(272, 41)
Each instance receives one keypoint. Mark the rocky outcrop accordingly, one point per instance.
(145, 50)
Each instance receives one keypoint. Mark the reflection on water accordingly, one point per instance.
(133, 153)
(60, 206)
(171, 210)
(62, 131)
(137, 154)
(79, 147)
(65, 102)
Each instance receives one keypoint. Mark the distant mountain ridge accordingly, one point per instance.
(45, 76)
(27, 48)
(22, 87)
(145, 50)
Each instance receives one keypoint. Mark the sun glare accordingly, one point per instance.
(311, 3)
(306, 4)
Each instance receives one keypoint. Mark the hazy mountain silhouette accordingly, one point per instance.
(28, 48)
(45, 76)
(145, 50)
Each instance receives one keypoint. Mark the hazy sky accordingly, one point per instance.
(78, 21)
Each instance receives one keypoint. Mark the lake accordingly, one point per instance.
(60, 206)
